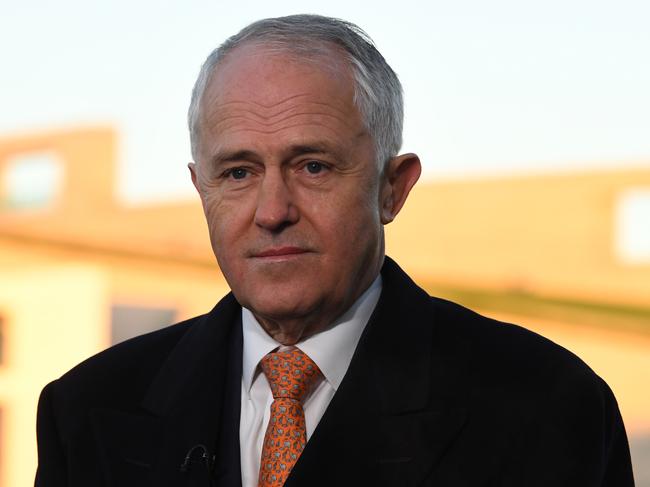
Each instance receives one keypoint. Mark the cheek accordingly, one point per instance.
(226, 241)
(222, 221)
(353, 222)
(365, 206)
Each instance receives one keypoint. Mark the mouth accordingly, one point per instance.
(278, 253)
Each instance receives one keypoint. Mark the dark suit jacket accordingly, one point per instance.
(435, 395)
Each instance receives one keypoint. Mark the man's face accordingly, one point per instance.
(290, 187)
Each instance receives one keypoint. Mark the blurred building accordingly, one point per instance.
(566, 254)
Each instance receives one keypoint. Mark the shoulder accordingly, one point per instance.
(489, 348)
(521, 367)
(119, 376)
(497, 346)
(542, 405)
(494, 354)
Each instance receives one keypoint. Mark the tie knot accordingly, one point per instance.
(290, 374)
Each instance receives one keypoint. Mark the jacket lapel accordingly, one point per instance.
(185, 418)
(400, 405)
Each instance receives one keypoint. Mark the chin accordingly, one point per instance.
(280, 307)
(280, 303)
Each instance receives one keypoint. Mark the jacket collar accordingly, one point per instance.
(201, 352)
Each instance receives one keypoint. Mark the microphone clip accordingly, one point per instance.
(198, 453)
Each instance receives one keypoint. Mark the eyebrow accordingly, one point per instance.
(317, 148)
(249, 155)
(230, 156)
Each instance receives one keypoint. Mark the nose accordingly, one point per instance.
(275, 207)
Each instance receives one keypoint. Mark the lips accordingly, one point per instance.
(280, 252)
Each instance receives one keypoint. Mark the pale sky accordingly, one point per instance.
(490, 86)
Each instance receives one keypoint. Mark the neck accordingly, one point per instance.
(291, 331)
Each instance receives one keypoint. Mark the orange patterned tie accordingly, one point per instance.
(291, 375)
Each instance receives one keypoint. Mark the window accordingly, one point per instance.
(130, 321)
(632, 231)
(32, 180)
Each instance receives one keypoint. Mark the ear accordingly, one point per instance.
(400, 175)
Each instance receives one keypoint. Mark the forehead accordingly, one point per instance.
(262, 73)
(270, 98)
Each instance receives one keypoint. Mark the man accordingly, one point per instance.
(326, 365)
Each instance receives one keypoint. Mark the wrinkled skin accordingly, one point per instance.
(291, 191)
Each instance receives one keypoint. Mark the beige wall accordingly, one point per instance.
(551, 234)
(54, 318)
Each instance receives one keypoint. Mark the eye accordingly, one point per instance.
(314, 167)
(237, 173)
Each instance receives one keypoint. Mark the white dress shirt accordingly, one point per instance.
(331, 350)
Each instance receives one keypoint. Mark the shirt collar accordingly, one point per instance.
(331, 349)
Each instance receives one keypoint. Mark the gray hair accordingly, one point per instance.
(377, 90)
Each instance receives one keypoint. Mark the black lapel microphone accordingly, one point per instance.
(201, 454)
